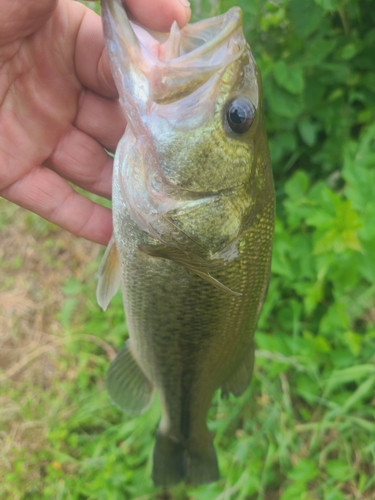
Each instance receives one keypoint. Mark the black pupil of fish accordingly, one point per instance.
(240, 115)
(237, 115)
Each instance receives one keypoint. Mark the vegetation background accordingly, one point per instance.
(305, 428)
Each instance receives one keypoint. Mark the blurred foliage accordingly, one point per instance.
(318, 70)
(305, 428)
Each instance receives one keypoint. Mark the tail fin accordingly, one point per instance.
(174, 462)
(202, 466)
(169, 465)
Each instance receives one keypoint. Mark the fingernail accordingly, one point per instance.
(185, 3)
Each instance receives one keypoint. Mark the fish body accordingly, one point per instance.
(193, 210)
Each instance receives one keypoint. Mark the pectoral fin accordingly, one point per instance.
(191, 261)
(127, 385)
(109, 275)
(241, 377)
(207, 277)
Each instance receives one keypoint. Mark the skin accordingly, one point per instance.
(59, 108)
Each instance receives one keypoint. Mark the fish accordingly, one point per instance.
(193, 216)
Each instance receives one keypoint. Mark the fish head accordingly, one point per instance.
(192, 98)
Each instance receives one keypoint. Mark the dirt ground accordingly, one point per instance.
(36, 259)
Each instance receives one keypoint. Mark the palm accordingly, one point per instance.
(58, 110)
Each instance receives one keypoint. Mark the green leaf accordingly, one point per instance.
(351, 374)
(348, 51)
(304, 471)
(365, 390)
(329, 5)
(67, 310)
(354, 342)
(316, 52)
(339, 233)
(297, 186)
(289, 77)
(308, 131)
(282, 102)
(294, 492)
(283, 143)
(305, 16)
(367, 261)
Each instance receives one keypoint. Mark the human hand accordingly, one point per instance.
(59, 108)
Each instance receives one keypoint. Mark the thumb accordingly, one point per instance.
(19, 19)
(159, 15)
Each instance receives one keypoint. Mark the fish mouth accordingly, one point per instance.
(178, 62)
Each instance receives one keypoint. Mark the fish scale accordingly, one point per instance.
(193, 213)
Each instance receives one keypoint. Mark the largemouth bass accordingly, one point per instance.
(193, 211)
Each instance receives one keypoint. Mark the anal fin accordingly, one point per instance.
(241, 377)
(127, 385)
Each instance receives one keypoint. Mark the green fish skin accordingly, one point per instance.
(193, 208)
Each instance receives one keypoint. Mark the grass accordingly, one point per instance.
(297, 433)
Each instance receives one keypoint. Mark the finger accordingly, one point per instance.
(94, 71)
(80, 159)
(44, 192)
(159, 15)
(100, 118)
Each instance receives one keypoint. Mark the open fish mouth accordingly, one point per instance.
(178, 62)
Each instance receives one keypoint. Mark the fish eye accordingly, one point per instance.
(240, 114)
